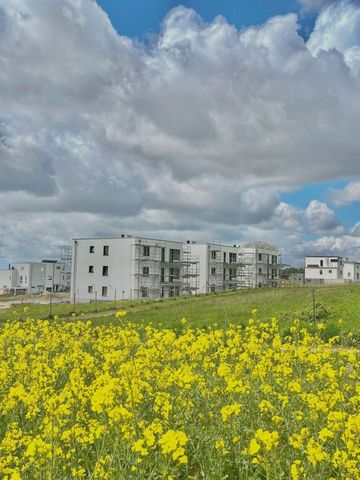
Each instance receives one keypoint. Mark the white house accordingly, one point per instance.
(219, 267)
(324, 269)
(260, 265)
(5, 280)
(130, 267)
(351, 271)
(37, 277)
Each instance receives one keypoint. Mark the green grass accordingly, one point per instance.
(341, 302)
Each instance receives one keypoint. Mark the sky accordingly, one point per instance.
(205, 120)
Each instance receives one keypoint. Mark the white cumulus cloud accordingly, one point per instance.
(205, 127)
(349, 194)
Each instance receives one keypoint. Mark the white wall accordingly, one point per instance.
(324, 269)
(118, 261)
(5, 280)
(125, 264)
(351, 271)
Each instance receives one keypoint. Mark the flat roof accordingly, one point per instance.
(323, 256)
(128, 237)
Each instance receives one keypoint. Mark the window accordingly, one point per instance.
(145, 271)
(146, 251)
(232, 257)
(225, 257)
(274, 259)
(25, 279)
(144, 292)
(106, 250)
(90, 289)
(174, 291)
(349, 274)
(91, 268)
(92, 249)
(322, 263)
(174, 255)
(105, 271)
(162, 275)
(213, 254)
(104, 291)
(213, 271)
(163, 254)
(260, 257)
(174, 274)
(357, 276)
(21, 278)
(321, 272)
(212, 288)
(330, 271)
(260, 271)
(232, 273)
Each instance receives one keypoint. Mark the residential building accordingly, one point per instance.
(36, 277)
(5, 280)
(324, 269)
(351, 271)
(260, 265)
(219, 267)
(130, 267)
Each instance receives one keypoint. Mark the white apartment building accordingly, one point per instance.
(130, 267)
(260, 265)
(324, 269)
(33, 277)
(219, 267)
(5, 280)
(351, 272)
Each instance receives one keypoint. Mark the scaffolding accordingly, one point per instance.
(161, 271)
(191, 263)
(260, 265)
(223, 273)
(66, 257)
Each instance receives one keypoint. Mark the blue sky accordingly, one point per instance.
(137, 18)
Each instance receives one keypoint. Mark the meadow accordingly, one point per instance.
(336, 302)
(203, 388)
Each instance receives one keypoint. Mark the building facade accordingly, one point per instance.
(260, 265)
(351, 271)
(5, 280)
(324, 269)
(131, 267)
(33, 278)
(219, 266)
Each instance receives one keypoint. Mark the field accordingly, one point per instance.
(212, 387)
(341, 303)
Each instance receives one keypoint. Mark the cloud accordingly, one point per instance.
(349, 194)
(355, 230)
(338, 27)
(203, 129)
(347, 246)
(320, 217)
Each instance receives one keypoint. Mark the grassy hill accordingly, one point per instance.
(332, 302)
